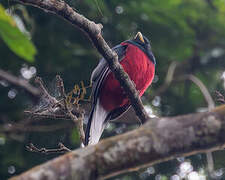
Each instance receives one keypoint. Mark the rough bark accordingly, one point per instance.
(154, 142)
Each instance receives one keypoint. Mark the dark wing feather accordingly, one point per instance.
(102, 70)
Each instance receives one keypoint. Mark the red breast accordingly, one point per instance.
(141, 71)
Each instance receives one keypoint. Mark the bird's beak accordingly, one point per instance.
(139, 37)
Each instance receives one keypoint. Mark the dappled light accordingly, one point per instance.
(12, 93)
(28, 72)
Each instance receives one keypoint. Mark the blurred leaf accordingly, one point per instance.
(14, 38)
(164, 178)
(75, 138)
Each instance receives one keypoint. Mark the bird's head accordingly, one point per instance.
(144, 44)
(142, 40)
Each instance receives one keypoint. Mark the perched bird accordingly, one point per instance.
(109, 100)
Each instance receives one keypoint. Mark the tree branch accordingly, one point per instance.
(21, 83)
(58, 108)
(21, 127)
(154, 142)
(61, 149)
(79, 120)
(202, 88)
(219, 97)
(93, 31)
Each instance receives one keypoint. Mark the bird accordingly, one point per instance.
(108, 99)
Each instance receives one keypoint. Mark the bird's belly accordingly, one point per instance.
(141, 71)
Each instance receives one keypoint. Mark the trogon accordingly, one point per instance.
(109, 101)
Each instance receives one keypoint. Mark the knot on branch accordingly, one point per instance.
(93, 28)
(211, 125)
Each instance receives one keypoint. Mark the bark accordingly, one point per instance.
(156, 141)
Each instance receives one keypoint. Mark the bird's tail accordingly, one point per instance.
(96, 124)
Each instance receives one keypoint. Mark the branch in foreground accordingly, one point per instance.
(93, 31)
(21, 83)
(152, 143)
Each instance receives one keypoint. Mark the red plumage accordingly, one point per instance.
(140, 70)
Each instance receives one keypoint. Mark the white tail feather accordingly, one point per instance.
(97, 124)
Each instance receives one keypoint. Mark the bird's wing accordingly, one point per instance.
(102, 65)
(102, 70)
(94, 129)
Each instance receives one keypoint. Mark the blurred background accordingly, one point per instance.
(187, 38)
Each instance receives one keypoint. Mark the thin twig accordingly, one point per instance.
(41, 115)
(168, 80)
(58, 109)
(45, 93)
(219, 97)
(60, 86)
(80, 124)
(61, 149)
(68, 110)
(202, 88)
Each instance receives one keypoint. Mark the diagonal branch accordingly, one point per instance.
(21, 83)
(93, 31)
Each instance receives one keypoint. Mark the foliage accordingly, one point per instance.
(14, 38)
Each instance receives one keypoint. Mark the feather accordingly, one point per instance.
(96, 125)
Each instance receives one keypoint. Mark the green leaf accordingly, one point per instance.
(14, 38)
(75, 138)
